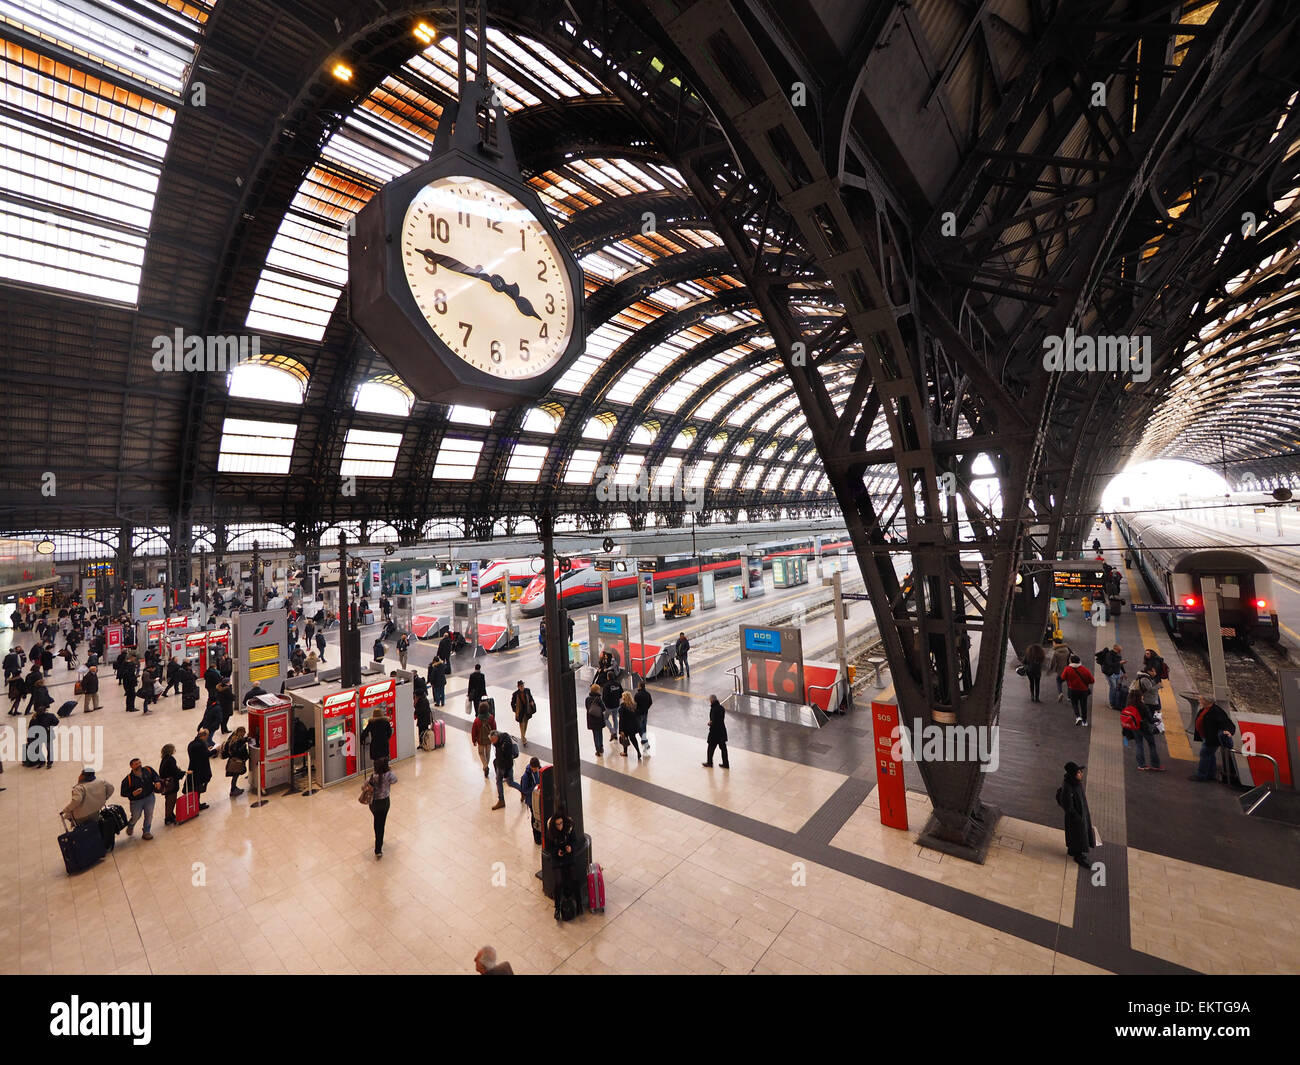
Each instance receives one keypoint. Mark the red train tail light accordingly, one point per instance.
(1262, 604)
(1189, 600)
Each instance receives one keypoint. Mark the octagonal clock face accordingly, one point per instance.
(487, 276)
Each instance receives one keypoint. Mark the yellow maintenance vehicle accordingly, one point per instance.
(678, 604)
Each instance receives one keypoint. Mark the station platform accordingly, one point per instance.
(778, 865)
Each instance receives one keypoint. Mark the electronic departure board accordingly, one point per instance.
(1083, 579)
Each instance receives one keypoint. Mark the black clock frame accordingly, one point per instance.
(381, 304)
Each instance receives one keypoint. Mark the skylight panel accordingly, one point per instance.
(526, 462)
(581, 467)
(367, 453)
(457, 459)
(249, 446)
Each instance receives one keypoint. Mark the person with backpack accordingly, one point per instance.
(403, 646)
(1214, 729)
(1139, 724)
(148, 690)
(504, 762)
(1079, 680)
(480, 733)
(1070, 797)
(477, 690)
(139, 787)
(524, 707)
(376, 793)
(1060, 659)
(1112, 663)
(438, 681)
(380, 650)
(1144, 693)
(1151, 659)
(1032, 664)
(596, 718)
(527, 785)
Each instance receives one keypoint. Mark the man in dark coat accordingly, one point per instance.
(320, 645)
(717, 732)
(130, 681)
(1078, 821)
(200, 765)
(438, 681)
(1214, 728)
(444, 651)
(477, 688)
(211, 678)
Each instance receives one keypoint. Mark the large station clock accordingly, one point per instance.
(459, 278)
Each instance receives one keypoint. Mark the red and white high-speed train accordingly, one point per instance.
(518, 572)
(580, 586)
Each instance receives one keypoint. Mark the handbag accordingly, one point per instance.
(1020, 671)
(235, 766)
(367, 795)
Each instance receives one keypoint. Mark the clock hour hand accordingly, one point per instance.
(523, 303)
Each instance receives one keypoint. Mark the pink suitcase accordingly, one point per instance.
(439, 734)
(595, 888)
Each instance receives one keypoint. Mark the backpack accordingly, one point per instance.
(1060, 798)
(1164, 670)
(1130, 720)
(514, 746)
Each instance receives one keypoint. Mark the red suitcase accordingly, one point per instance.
(595, 888)
(187, 802)
(439, 734)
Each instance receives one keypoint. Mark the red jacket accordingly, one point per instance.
(476, 733)
(1077, 678)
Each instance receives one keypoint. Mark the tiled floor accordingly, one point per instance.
(293, 887)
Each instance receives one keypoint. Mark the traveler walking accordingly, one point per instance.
(1214, 729)
(88, 797)
(1060, 659)
(717, 738)
(1032, 664)
(1112, 663)
(438, 681)
(200, 764)
(403, 646)
(524, 707)
(682, 649)
(629, 724)
(504, 764)
(596, 718)
(1079, 680)
(477, 689)
(480, 733)
(90, 690)
(380, 782)
(643, 703)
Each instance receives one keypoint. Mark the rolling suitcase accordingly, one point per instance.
(67, 708)
(82, 845)
(439, 731)
(595, 888)
(187, 801)
(114, 816)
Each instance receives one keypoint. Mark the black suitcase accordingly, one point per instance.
(188, 702)
(1116, 606)
(82, 846)
(30, 757)
(67, 708)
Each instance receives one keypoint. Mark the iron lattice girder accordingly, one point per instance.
(930, 672)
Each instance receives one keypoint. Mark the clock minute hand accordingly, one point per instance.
(436, 258)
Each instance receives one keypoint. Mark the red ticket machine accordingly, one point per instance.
(218, 645)
(270, 721)
(336, 736)
(382, 693)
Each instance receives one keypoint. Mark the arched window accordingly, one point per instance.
(277, 378)
(384, 395)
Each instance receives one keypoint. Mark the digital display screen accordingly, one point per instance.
(1078, 580)
(766, 641)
